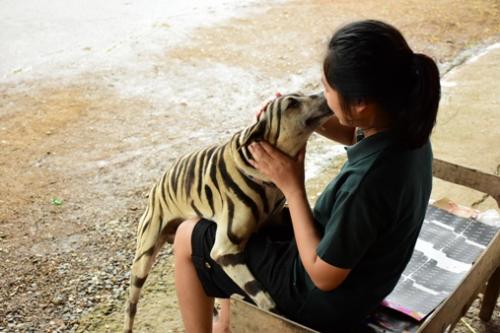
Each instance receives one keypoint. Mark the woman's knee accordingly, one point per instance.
(182, 240)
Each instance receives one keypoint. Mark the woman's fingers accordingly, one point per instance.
(276, 153)
(285, 172)
(264, 150)
(258, 151)
(260, 158)
(270, 150)
(253, 163)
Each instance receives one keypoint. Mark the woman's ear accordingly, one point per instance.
(360, 108)
(364, 110)
(366, 113)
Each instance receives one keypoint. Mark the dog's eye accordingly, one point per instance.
(292, 103)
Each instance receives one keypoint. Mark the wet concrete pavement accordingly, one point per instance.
(468, 125)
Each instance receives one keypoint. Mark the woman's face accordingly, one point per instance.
(333, 101)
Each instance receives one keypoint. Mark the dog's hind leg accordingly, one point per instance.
(229, 255)
(139, 273)
(150, 240)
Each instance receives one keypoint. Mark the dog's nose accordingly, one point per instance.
(325, 108)
(319, 95)
(323, 103)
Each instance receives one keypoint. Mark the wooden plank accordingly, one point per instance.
(456, 305)
(490, 296)
(457, 174)
(247, 318)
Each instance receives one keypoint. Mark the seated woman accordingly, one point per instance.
(346, 255)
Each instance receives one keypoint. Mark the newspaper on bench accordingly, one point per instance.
(446, 248)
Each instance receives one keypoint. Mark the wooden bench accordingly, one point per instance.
(485, 273)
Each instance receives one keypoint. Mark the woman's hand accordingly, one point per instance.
(265, 104)
(285, 172)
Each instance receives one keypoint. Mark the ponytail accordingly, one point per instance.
(417, 119)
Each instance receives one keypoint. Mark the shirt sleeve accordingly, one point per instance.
(349, 232)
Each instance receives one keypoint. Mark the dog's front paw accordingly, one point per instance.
(264, 301)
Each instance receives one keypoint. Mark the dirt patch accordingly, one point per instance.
(290, 38)
(85, 141)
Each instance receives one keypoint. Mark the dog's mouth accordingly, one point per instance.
(318, 116)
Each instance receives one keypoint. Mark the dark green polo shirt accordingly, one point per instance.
(369, 217)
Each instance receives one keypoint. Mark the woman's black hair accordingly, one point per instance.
(370, 61)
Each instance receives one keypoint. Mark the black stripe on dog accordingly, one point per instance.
(229, 182)
(252, 287)
(132, 309)
(183, 175)
(280, 104)
(190, 170)
(175, 176)
(196, 210)
(201, 171)
(245, 155)
(153, 199)
(146, 213)
(171, 188)
(138, 282)
(162, 184)
(204, 162)
(278, 126)
(256, 132)
(270, 124)
(149, 252)
(232, 259)
(207, 158)
(208, 194)
(230, 218)
(259, 189)
(213, 170)
(160, 218)
(146, 225)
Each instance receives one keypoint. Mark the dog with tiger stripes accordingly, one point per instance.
(218, 183)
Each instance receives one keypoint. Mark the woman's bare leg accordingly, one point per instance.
(196, 307)
(221, 325)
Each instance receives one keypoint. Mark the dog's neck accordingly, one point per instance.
(241, 156)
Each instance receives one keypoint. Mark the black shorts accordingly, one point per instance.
(270, 255)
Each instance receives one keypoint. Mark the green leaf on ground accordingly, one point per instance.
(56, 201)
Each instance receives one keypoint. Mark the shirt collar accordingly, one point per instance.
(369, 145)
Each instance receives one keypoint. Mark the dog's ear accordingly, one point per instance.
(292, 102)
(256, 132)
